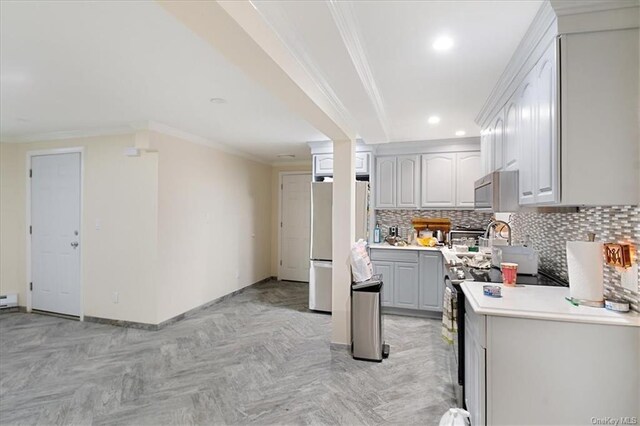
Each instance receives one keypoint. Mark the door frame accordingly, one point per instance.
(53, 151)
(280, 187)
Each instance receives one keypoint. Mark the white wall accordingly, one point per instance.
(120, 192)
(214, 224)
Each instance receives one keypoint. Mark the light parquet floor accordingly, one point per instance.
(257, 358)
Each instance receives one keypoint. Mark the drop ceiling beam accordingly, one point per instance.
(237, 31)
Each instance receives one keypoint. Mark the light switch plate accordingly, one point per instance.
(629, 278)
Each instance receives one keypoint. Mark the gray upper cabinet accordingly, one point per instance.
(510, 141)
(546, 153)
(438, 180)
(406, 285)
(385, 182)
(323, 164)
(498, 143)
(431, 281)
(569, 102)
(468, 170)
(526, 135)
(408, 181)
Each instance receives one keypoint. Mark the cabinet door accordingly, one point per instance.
(362, 163)
(468, 170)
(386, 270)
(509, 136)
(323, 164)
(438, 180)
(431, 281)
(408, 179)
(546, 187)
(405, 286)
(385, 182)
(498, 142)
(526, 135)
(474, 376)
(486, 150)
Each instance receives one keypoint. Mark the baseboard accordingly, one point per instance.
(172, 320)
(22, 309)
(412, 313)
(340, 347)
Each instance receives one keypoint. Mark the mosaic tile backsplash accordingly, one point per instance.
(402, 218)
(549, 233)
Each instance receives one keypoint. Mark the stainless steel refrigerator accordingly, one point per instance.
(321, 208)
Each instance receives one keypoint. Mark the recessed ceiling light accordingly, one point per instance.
(443, 43)
(286, 156)
(434, 119)
(460, 133)
(218, 100)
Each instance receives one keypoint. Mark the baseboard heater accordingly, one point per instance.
(8, 301)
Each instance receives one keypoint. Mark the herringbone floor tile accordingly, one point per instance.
(257, 358)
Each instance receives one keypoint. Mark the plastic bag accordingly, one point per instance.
(455, 417)
(361, 269)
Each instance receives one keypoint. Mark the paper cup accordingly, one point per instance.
(509, 273)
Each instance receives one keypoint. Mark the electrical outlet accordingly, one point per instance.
(115, 297)
(629, 278)
(98, 225)
(238, 274)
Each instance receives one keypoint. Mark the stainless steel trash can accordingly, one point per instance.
(367, 340)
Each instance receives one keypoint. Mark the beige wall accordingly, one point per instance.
(275, 200)
(180, 226)
(120, 192)
(214, 224)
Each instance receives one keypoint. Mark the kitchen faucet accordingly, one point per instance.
(498, 222)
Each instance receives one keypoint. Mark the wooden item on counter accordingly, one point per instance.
(433, 224)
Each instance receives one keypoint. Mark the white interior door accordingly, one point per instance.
(55, 234)
(295, 227)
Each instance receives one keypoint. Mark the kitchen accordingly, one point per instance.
(217, 161)
(534, 175)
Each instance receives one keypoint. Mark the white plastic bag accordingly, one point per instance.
(455, 417)
(361, 269)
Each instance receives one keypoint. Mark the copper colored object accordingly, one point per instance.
(433, 224)
(618, 254)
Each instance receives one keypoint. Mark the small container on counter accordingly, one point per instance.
(492, 290)
(616, 305)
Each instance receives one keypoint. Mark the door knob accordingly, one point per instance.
(74, 244)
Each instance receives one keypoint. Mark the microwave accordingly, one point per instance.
(497, 192)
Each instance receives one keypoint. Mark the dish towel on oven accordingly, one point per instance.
(449, 327)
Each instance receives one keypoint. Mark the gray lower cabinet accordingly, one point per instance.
(431, 281)
(406, 285)
(386, 270)
(412, 279)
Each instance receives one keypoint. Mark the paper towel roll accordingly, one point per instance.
(585, 265)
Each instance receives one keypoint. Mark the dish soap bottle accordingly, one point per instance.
(376, 233)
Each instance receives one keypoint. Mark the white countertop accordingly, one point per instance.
(389, 246)
(541, 302)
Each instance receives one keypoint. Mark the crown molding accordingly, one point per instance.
(542, 28)
(297, 163)
(345, 19)
(190, 137)
(133, 128)
(70, 134)
(284, 30)
(572, 7)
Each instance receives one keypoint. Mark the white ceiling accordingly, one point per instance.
(81, 66)
(377, 58)
(68, 66)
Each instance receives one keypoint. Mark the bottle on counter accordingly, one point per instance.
(376, 233)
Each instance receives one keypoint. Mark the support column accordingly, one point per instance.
(343, 236)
